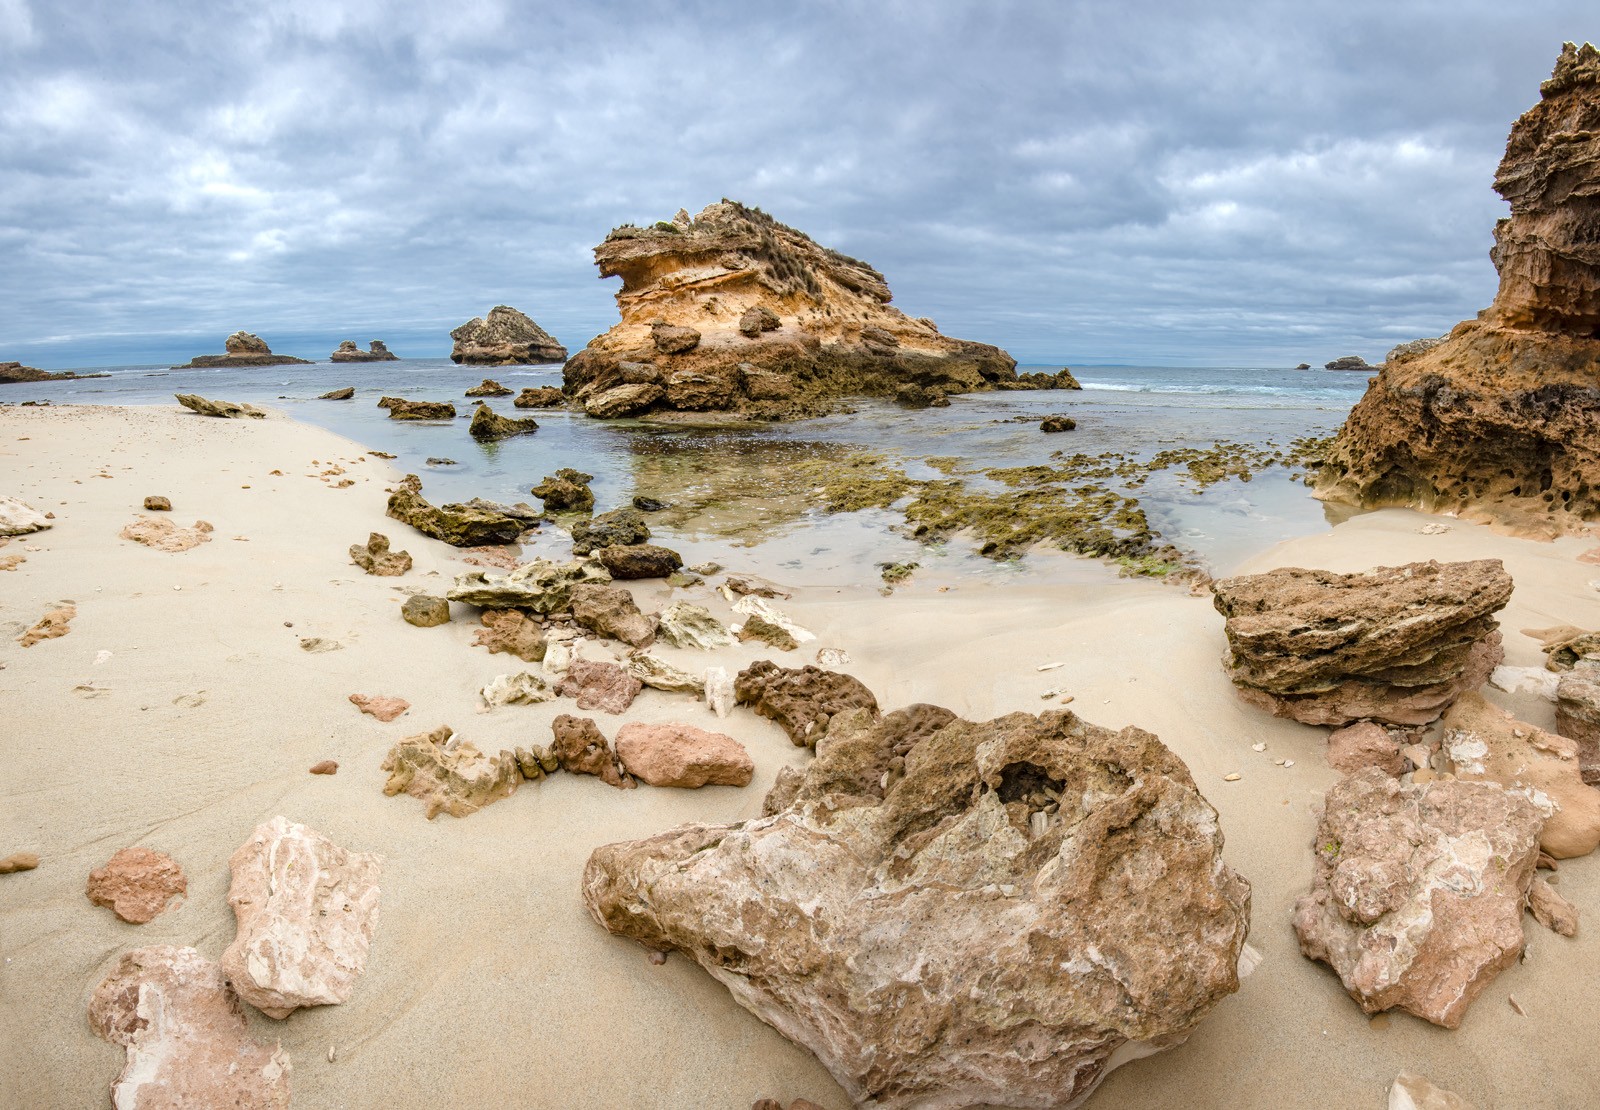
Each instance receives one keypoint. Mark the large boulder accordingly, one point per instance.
(242, 349)
(488, 424)
(505, 338)
(455, 524)
(986, 930)
(540, 586)
(1395, 645)
(746, 315)
(1417, 895)
(188, 1043)
(801, 699)
(1500, 421)
(305, 909)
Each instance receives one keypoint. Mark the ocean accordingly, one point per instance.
(717, 481)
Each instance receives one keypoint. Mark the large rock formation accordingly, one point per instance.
(1500, 421)
(349, 352)
(1034, 902)
(305, 910)
(187, 1039)
(243, 349)
(14, 373)
(506, 338)
(1417, 896)
(1395, 645)
(733, 311)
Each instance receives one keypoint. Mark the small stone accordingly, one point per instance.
(19, 861)
(425, 610)
(317, 645)
(1258, 747)
(385, 709)
(136, 884)
(155, 503)
(163, 535)
(50, 626)
(1232, 776)
(448, 774)
(1551, 910)
(719, 691)
(326, 767)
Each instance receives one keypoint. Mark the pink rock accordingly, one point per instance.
(305, 909)
(1362, 745)
(682, 755)
(597, 685)
(187, 1040)
(384, 708)
(136, 883)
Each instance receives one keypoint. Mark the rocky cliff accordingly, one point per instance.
(733, 311)
(506, 338)
(1500, 420)
(243, 349)
(378, 352)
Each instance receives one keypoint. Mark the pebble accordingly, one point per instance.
(19, 861)
(326, 767)
(1050, 666)
(1258, 747)
(1232, 776)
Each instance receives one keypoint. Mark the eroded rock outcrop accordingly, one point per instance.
(376, 352)
(801, 699)
(488, 424)
(1417, 894)
(566, 491)
(1395, 645)
(455, 524)
(505, 338)
(1500, 422)
(187, 1039)
(733, 311)
(14, 373)
(1578, 716)
(305, 909)
(981, 932)
(449, 774)
(243, 349)
(687, 625)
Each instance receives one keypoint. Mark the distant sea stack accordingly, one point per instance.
(243, 349)
(1500, 420)
(506, 338)
(349, 352)
(14, 373)
(733, 311)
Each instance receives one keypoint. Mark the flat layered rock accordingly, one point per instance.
(801, 699)
(383, 707)
(161, 534)
(402, 409)
(242, 348)
(305, 909)
(1396, 644)
(456, 524)
(658, 674)
(1417, 895)
(539, 586)
(448, 774)
(981, 932)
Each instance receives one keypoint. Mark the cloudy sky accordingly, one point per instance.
(1154, 181)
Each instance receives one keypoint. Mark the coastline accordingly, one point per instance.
(487, 983)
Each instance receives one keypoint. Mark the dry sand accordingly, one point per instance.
(488, 985)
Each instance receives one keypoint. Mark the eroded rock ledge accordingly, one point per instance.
(732, 311)
(1500, 420)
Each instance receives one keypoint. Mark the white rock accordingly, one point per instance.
(1530, 680)
(18, 518)
(719, 690)
(521, 688)
(752, 606)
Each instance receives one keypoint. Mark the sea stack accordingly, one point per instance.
(733, 311)
(506, 338)
(1497, 422)
(349, 352)
(243, 349)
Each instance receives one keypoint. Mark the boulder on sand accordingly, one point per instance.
(596, 685)
(18, 518)
(226, 409)
(611, 611)
(455, 524)
(374, 557)
(449, 774)
(505, 338)
(580, 749)
(488, 424)
(488, 388)
(137, 883)
(983, 931)
(682, 756)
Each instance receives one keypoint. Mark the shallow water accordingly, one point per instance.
(723, 474)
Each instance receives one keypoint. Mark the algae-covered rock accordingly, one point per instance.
(566, 491)
(488, 424)
(619, 527)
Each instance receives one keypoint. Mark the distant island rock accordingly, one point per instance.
(349, 352)
(1349, 362)
(243, 349)
(1500, 420)
(506, 338)
(732, 311)
(14, 373)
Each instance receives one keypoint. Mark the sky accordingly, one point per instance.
(1154, 182)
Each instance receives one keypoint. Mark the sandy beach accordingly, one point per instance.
(181, 710)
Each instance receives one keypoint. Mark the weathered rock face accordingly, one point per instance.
(604, 686)
(449, 774)
(1499, 421)
(488, 388)
(618, 528)
(1565, 646)
(682, 756)
(644, 560)
(803, 700)
(566, 491)
(374, 557)
(305, 910)
(540, 397)
(1395, 645)
(227, 410)
(506, 338)
(488, 424)
(686, 625)
(377, 352)
(187, 1040)
(959, 938)
(18, 518)
(733, 311)
(1417, 896)
(137, 884)
(402, 409)
(539, 586)
(455, 524)
(611, 611)
(580, 749)
(513, 632)
(243, 349)
(1578, 716)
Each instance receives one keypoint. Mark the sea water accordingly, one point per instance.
(1133, 410)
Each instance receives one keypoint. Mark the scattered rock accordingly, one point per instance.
(611, 611)
(137, 883)
(803, 700)
(19, 861)
(380, 706)
(619, 527)
(305, 910)
(225, 409)
(566, 491)
(53, 624)
(1565, 645)
(512, 632)
(1417, 896)
(719, 691)
(425, 610)
(1412, 1092)
(1551, 910)
(187, 1041)
(455, 524)
(1394, 645)
(1348, 362)
(1578, 717)
(155, 503)
(377, 351)
(243, 349)
(402, 409)
(603, 686)
(448, 774)
(344, 394)
(487, 424)
(765, 623)
(682, 756)
(1484, 743)
(744, 584)
(647, 504)
(539, 586)
(505, 338)
(488, 388)
(14, 373)
(1057, 423)
(658, 674)
(316, 645)
(1365, 744)
(581, 749)
(900, 893)
(17, 518)
(540, 397)
(376, 558)
(325, 767)
(686, 625)
(644, 560)
(163, 535)
(521, 688)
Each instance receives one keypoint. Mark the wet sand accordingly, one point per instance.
(487, 984)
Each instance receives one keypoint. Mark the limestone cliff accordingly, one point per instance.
(1500, 420)
(733, 311)
(506, 338)
(243, 349)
